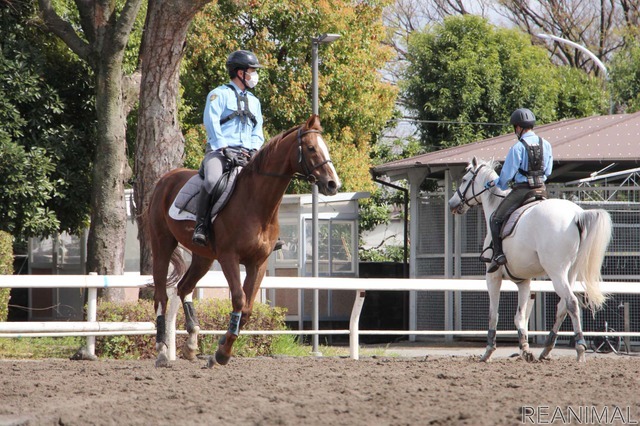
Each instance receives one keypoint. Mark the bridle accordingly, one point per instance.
(302, 160)
(474, 197)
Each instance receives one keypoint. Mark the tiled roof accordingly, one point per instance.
(590, 143)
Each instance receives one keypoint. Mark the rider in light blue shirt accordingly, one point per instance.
(525, 170)
(517, 158)
(221, 103)
(233, 120)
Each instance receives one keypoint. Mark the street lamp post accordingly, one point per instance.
(315, 42)
(587, 52)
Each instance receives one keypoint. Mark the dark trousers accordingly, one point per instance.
(518, 195)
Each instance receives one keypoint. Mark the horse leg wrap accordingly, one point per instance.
(523, 339)
(491, 339)
(234, 323)
(190, 317)
(160, 330)
(551, 340)
(580, 340)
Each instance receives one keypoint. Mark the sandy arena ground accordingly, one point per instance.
(436, 390)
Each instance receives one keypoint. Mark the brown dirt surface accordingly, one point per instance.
(436, 390)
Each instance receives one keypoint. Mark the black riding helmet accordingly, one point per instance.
(524, 118)
(241, 59)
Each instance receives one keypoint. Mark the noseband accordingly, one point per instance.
(474, 197)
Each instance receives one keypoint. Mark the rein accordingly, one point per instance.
(308, 172)
(462, 195)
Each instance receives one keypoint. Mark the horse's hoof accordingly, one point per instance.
(544, 355)
(580, 349)
(211, 362)
(221, 358)
(162, 361)
(188, 353)
(486, 357)
(528, 356)
(487, 354)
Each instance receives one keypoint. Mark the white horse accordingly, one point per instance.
(556, 238)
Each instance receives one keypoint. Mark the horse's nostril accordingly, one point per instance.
(332, 185)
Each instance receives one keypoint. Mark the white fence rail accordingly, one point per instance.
(92, 328)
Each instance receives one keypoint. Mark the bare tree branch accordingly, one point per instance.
(65, 31)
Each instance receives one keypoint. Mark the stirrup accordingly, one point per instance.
(497, 262)
(199, 236)
(485, 259)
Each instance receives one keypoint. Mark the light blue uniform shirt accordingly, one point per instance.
(221, 102)
(518, 158)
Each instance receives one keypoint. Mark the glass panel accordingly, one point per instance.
(290, 252)
(69, 250)
(342, 237)
(323, 247)
(42, 252)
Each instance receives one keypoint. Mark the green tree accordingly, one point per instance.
(98, 33)
(45, 133)
(355, 103)
(466, 76)
(625, 76)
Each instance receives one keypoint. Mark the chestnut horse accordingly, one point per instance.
(244, 231)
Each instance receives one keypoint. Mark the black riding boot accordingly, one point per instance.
(499, 258)
(201, 230)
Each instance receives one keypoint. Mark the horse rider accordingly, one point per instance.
(526, 168)
(233, 119)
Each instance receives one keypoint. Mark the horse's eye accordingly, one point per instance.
(312, 148)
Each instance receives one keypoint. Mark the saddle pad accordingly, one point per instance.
(510, 224)
(185, 206)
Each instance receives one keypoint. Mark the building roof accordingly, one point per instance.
(581, 145)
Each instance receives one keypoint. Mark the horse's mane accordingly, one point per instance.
(489, 164)
(265, 152)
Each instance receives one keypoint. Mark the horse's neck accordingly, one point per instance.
(490, 202)
(266, 192)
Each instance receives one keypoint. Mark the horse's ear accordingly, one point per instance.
(474, 162)
(313, 122)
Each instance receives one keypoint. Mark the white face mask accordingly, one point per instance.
(253, 79)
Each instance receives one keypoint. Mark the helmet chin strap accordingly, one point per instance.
(244, 80)
(519, 134)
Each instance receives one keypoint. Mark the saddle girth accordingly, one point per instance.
(242, 111)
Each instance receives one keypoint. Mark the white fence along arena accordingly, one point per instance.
(92, 328)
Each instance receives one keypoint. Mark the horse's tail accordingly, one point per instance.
(179, 266)
(595, 232)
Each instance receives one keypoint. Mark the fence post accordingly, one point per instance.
(92, 315)
(627, 327)
(354, 324)
(172, 314)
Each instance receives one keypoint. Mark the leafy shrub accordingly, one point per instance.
(6, 268)
(213, 314)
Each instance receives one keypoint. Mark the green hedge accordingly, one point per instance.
(212, 314)
(6, 268)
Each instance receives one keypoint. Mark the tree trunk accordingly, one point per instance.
(102, 45)
(160, 143)
(105, 244)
